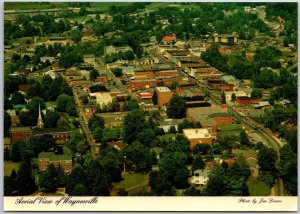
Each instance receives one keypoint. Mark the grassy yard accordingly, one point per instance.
(258, 188)
(32, 5)
(228, 133)
(9, 166)
(106, 5)
(52, 194)
(168, 136)
(131, 180)
(246, 153)
(232, 127)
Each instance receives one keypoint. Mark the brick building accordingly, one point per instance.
(220, 85)
(101, 79)
(59, 134)
(135, 85)
(197, 136)
(247, 100)
(164, 94)
(19, 133)
(60, 156)
(226, 38)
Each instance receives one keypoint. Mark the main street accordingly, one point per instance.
(258, 128)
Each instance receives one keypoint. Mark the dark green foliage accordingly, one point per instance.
(133, 123)
(192, 191)
(138, 157)
(244, 138)
(80, 190)
(15, 152)
(198, 163)
(122, 192)
(176, 107)
(184, 125)
(117, 72)
(131, 105)
(266, 159)
(146, 137)
(181, 179)
(101, 185)
(95, 122)
(51, 119)
(17, 98)
(256, 93)
(160, 185)
(94, 74)
(48, 180)
(7, 124)
(25, 182)
(223, 98)
(75, 178)
(288, 168)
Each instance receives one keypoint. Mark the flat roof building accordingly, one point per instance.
(197, 136)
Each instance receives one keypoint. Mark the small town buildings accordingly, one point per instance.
(164, 95)
(169, 39)
(220, 85)
(101, 79)
(200, 177)
(247, 100)
(198, 136)
(102, 98)
(145, 95)
(226, 38)
(59, 134)
(135, 85)
(109, 50)
(60, 156)
(228, 94)
(19, 133)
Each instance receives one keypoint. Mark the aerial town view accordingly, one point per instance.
(150, 99)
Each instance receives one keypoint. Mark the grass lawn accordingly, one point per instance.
(258, 188)
(32, 5)
(106, 5)
(232, 127)
(52, 194)
(246, 153)
(9, 166)
(131, 180)
(228, 133)
(168, 136)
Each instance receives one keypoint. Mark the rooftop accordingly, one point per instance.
(20, 129)
(196, 133)
(163, 89)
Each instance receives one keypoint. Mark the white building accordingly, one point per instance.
(200, 177)
(102, 98)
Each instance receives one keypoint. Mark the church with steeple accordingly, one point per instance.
(40, 122)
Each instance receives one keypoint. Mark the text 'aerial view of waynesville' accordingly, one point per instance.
(150, 99)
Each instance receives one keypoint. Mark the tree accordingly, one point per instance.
(80, 190)
(95, 122)
(176, 107)
(101, 185)
(62, 123)
(256, 93)
(131, 105)
(15, 152)
(48, 180)
(25, 183)
(192, 191)
(233, 97)
(181, 179)
(160, 185)
(146, 136)
(117, 72)
(133, 122)
(198, 163)
(217, 184)
(266, 159)
(62, 101)
(154, 97)
(75, 178)
(244, 138)
(98, 134)
(51, 119)
(223, 98)
(76, 35)
(94, 74)
(7, 124)
(17, 98)
(288, 168)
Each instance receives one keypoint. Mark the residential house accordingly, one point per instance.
(226, 38)
(200, 177)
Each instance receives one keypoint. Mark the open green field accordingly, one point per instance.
(106, 5)
(168, 136)
(258, 188)
(33, 5)
(131, 180)
(9, 166)
(228, 133)
(231, 127)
